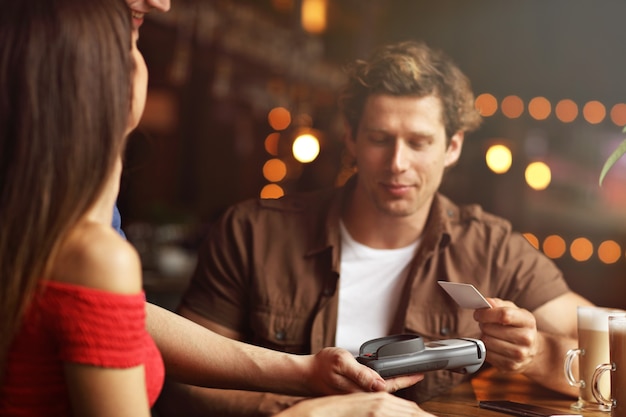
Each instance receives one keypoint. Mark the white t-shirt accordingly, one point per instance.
(369, 290)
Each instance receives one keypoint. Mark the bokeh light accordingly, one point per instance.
(279, 118)
(566, 110)
(618, 114)
(313, 15)
(499, 158)
(271, 143)
(532, 239)
(272, 191)
(609, 252)
(554, 246)
(581, 249)
(486, 104)
(512, 107)
(594, 112)
(538, 175)
(306, 148)
(539, 108)
(274, 170)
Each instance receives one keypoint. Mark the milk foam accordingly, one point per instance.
(596, 318)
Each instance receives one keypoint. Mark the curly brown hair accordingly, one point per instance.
(411, 68)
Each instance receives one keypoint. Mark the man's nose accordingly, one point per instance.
(400, 156)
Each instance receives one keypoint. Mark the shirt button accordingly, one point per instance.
(444, 331)
(328, 292)
(280, 335)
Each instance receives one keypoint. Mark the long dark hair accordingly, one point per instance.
(65, 91)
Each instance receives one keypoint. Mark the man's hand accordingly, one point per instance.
(336, 371)
(510, 335)
(532, 343)
(363, 404)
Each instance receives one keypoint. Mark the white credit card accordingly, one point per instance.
(465, 295)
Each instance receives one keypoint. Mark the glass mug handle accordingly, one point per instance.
(569, 358)
(595, 380)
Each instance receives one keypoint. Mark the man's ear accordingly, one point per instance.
(453, 153)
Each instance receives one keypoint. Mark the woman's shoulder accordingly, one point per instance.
(95, 256)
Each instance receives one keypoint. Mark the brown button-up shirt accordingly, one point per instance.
(270, 269)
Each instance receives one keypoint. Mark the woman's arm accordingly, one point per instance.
(106, 392)
(198, 356)
(379, 404)
(94, 256)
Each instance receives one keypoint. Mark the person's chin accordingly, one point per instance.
(397, 208)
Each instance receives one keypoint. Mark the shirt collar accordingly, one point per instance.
(444, 214)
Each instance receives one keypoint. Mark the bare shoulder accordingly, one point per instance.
(94, 255)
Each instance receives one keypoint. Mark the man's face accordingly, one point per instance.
(140, 7)
(401, 153)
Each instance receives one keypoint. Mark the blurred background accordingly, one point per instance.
(242, 104)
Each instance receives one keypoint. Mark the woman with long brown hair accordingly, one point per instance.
(74, 337)
(73, 85)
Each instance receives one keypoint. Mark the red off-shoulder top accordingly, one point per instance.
(70, 323)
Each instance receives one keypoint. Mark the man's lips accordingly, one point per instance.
(396, 189)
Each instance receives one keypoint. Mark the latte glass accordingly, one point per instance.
(617, 366)
(593, 350)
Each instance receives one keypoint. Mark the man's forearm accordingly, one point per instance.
(547, 365)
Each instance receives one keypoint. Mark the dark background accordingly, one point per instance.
(218, 67)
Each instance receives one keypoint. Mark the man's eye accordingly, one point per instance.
(420, 143)
(379, 139)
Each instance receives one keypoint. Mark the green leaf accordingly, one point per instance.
(617, 154)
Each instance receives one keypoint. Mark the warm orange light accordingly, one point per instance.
(618, 114)
(512, 107)
(566, 110)
(609, 252)
(272, 191)
(314, 15)
(581, 249)
(279, 118)
(486, 104)
(271, 143)
(594, 112)
(539, 108)
(532, 239)
(554, 246)
(274, 170)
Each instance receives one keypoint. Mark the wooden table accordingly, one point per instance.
(490, 384)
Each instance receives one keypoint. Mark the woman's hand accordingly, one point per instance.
(336, 371)
(379, 404)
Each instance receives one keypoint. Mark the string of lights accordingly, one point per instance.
(498, 157)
